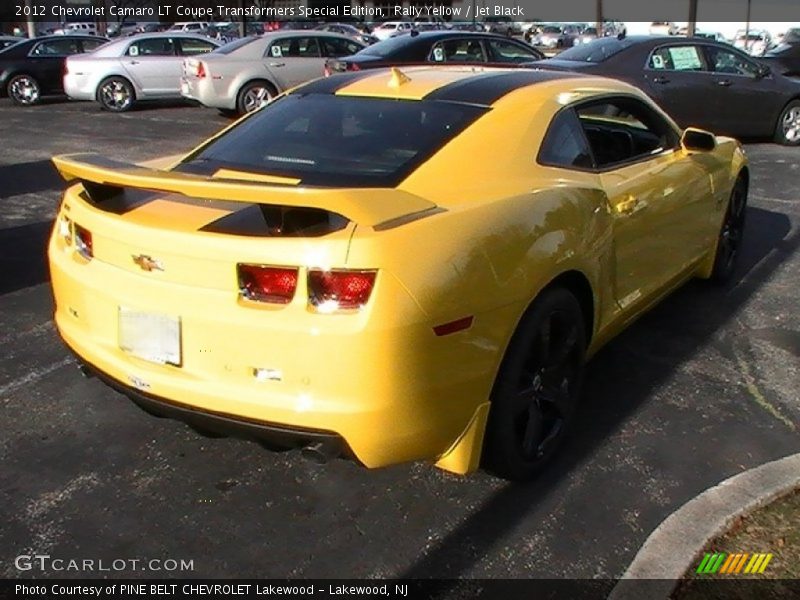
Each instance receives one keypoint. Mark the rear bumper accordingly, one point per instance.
(79, 87)
(204, 92)
(273, 435)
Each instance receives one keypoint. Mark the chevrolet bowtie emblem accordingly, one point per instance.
(148, 263)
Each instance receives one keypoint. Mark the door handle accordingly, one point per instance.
(660, 80)
(724, 83)
(134, 62)
(277, 64)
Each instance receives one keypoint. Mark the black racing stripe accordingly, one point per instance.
(332, 84)
(488, 88)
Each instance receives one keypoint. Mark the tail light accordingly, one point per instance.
(275, 285)
(339, 290)
(352, 67)
(83, 242)
(200, 70)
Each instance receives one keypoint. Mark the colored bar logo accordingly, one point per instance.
(733, 564)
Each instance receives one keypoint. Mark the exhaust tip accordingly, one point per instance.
(320, 452)
(85, 371)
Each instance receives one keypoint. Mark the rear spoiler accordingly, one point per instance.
(379, 208)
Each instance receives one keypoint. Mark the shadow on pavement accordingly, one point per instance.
(29, 178)
(23, 256)
(614, 389)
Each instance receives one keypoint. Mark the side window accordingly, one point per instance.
(564, 144)
(335, 47)
(89, 45)
(152, 47)
(507, 52)
(624, 130)
(193, 46)
(677, 58)
(457, 51)
(63, 47)
(294, 47)
(725, 61)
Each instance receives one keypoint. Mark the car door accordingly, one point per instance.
(659, 196)
(47, 62)
(154, 65)
(677, 78)
(747, 101)
(294, 60)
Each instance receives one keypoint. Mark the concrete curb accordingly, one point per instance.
(676, 543)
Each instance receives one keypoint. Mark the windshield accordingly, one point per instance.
(597, 51)
(551, 30)
(330, 140)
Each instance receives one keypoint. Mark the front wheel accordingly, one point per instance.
(729, 242)
(116, 94)
(24, 90)
(787, 131)
(537, 388)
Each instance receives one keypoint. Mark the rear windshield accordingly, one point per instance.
(596, 52)
(386, 47)
(328, 140)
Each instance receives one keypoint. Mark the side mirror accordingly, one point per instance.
(763, 71)
(697, 140)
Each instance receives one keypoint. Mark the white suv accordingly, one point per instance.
(73, 28)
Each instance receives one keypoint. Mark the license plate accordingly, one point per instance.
(153, 337)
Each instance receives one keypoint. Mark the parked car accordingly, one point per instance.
(554, 36)
(439, 47)
(614, 28)
(123, 29)
(389, 29)
(33, 68)
(699, 82)
(754, 42)
(318, 276)
(785, 59)
(246, 74)
(76, 29)
(711, 35)
(189, 27)
(663, 28)
(8, 40)
(587, 35)
(142, 67)
(350, 31)
(502, 26)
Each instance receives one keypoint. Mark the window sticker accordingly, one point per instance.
(133, 50)
(276, 51)
(685, 59)
(438, 54)
(658, 61)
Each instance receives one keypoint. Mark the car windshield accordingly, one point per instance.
(590, 31)
(551, 30)
(234, 45)
(597, 51)
(329, 140)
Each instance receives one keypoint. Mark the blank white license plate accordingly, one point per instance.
(151, 336)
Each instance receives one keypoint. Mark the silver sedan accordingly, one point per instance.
(243, 75)
(140, 67)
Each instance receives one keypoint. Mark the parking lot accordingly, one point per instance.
(705, 386)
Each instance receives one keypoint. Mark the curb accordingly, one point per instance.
(675, 544)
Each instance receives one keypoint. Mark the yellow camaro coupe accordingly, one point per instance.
(393, 265)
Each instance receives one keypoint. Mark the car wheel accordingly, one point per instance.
(787, 131)
(116, 94)
(537, 388)
(729, 242)
(24, 90)
(253, 96)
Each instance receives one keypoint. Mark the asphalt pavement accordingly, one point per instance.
(703, 387)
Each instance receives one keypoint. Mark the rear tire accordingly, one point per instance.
(537, 389)
(24, 90)
(116, 94)
(729, 241)
(253, 96)
(787, 129)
